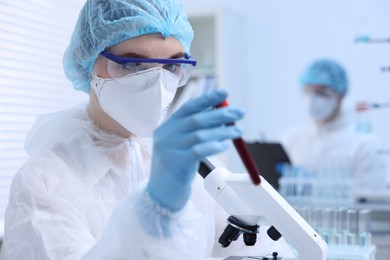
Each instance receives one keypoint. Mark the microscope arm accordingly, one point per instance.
(237, 195)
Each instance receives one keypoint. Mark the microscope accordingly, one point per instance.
(247, 204)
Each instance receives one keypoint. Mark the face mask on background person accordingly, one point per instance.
(140, 101)
(322, 107)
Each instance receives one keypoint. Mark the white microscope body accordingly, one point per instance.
(239, 197)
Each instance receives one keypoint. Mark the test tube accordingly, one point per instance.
(352, 226)
(365, 228)
(287, 175)
(316, 184)
(328, 224)
(308, 185)
(340, 219)
(340, 226)
(306, 214)
(316, 219)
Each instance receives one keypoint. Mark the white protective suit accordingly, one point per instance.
(338, 144)
(81, 196)
(62, 198)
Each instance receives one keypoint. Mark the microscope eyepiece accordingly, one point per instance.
(205, 167)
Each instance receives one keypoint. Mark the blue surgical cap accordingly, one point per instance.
(104, 23)
(326, 73)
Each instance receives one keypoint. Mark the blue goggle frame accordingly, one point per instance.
(124, 60)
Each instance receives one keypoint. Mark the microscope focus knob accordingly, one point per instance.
(273, 233)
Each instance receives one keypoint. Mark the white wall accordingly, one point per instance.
(282, 37)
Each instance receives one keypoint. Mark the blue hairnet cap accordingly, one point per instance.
(104, 23)
(326, 73)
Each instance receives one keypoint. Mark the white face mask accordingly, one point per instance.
(139, 101)
(321, 108)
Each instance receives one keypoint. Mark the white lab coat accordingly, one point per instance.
(338, 144)
(81, 196)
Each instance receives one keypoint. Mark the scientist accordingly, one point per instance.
(331, 141)
(87, 191)
(97, 185)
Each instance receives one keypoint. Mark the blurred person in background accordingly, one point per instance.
(331, 141)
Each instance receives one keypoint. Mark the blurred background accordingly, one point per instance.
(260, 48)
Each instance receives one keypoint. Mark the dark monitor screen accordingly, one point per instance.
(266, 157)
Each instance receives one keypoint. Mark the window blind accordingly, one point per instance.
(33, 37)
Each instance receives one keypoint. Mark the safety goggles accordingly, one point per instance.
(321, 91)
(121, 66)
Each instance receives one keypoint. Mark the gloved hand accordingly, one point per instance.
(193, 132)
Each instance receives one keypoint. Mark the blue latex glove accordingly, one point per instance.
(189, 135)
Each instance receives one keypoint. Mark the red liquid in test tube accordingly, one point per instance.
(245, 156)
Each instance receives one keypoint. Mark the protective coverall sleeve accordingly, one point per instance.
(41, 224)
(138, 228)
